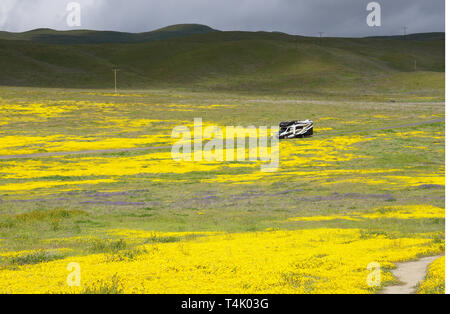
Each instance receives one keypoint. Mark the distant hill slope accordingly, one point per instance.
(418, 36)
(51, 36)
(243, 61)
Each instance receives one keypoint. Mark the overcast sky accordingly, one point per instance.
(303, 17)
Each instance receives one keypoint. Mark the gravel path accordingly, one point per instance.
(409, 274)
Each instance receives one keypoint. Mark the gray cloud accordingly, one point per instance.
(304, 17)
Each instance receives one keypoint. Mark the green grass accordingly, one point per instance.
(33, 258)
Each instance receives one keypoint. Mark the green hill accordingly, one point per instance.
(242, 61)
(50, 36)
(419, 36)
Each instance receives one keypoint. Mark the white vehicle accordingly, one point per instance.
(296, 129)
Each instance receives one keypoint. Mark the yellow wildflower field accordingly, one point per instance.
(435, 280)
(303, 261)
(388, 212)
(88, 178)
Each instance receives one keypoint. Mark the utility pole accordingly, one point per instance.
(115, 79)
(415, 65)
(320, 37)
(404, 30)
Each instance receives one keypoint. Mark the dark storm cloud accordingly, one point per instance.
(305, 17)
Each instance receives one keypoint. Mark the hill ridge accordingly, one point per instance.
(86, 36)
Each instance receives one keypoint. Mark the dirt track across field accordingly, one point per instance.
(118, 150)
(409, 274)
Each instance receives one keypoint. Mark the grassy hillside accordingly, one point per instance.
(50, 36)
(243, 61)
(419, 36)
